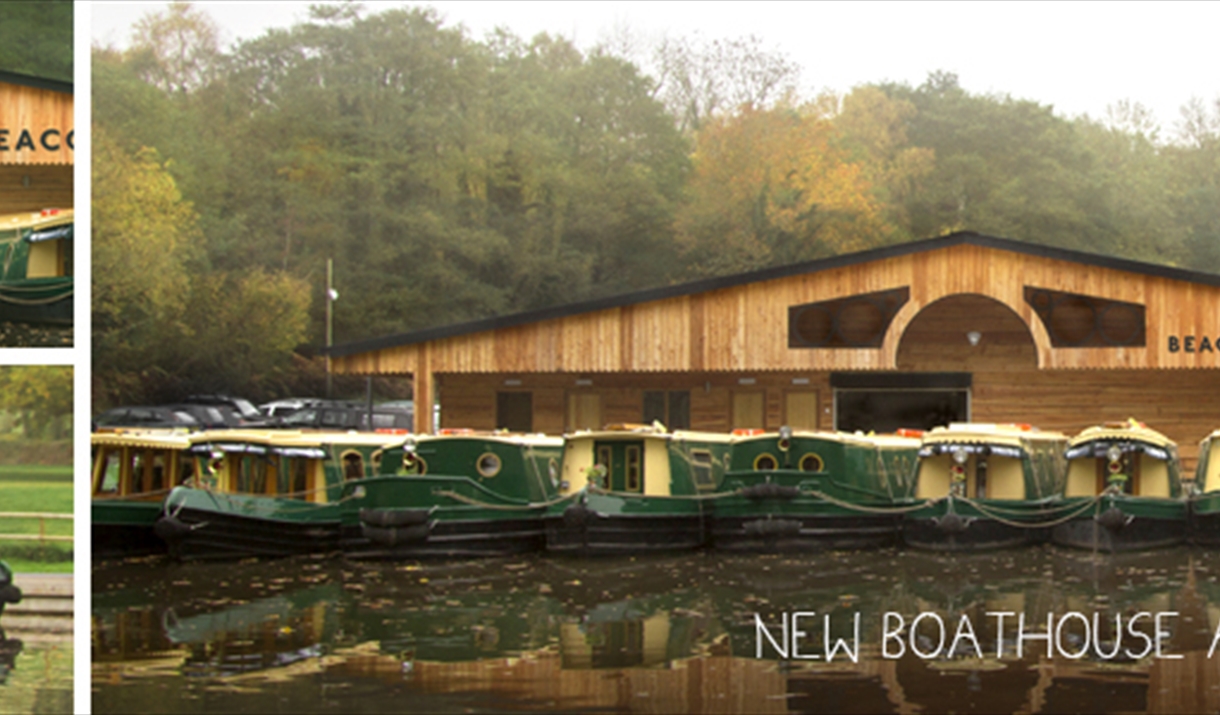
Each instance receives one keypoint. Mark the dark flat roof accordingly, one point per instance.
(709, 284)
(26, 80)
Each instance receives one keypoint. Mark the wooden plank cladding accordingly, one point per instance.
(36, 125)
(745, 327)
(34, 188)
(1063, 400)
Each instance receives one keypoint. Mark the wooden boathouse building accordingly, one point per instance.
(961, 327)
(37, 138)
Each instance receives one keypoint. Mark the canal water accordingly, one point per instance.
(35, 675)
(703, 633)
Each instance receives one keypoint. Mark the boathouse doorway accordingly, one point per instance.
(887, 402)
(951, 348)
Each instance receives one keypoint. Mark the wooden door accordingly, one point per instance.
(749, 409)
(584, 411)
(801, 409)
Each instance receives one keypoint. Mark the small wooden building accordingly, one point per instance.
(37, 136)
(962, 327)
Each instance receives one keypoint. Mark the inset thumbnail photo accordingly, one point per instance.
(37, 154)
(36, 539)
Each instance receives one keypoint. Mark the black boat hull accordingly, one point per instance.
(785, 533)
(458, 538)
(115, 541)
(978, 534)
(1138, 534)
(597, 534)
(208, 535)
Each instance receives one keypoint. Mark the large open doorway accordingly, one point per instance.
(886, 402)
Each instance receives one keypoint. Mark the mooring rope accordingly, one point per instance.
(42, 301)
(594, 489)
(1033, 525)
(532, 506)
(875, 509)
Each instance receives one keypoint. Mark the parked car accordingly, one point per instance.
(147, 416)
(239, 412)
(347, 416)
(287, 406)
(211, 416)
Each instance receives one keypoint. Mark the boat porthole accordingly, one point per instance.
(552, 468)
(765, 462)
(811, 462)
(488, 464)
(414, 465)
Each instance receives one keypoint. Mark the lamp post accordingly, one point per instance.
(331, 296)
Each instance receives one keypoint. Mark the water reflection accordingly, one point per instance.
(660, 634)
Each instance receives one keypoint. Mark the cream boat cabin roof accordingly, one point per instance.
(149, 439)
(511, 438)
(988, 460)
(1123, 431)
(37, 219)
(1208, 478)
(999, 434)
(1151, 471)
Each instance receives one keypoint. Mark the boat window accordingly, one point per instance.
(111, 467)
(249, 475)
(701, 469)
(811, 462)
(298, 476)
(186, 469)
(375, 460)
(604, 459)
(158, 473)
(258, 472)
(139, 465)
(353, 465)
(552, 468)
(412, 463)
(488, 464)
(633, 471)
(765, 462)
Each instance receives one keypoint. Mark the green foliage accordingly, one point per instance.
(42, 397)
(451, 179)
(36, 38)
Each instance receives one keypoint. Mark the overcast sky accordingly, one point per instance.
(1077, 57)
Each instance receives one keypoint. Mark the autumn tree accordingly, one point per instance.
(773, 186)
(41, 397)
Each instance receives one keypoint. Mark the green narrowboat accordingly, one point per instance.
(133, 470)
(1126, 479)
(457, 493)
(1205, 502)
(36, 280)
(798, 490)
(266, 492)
(636, 489)
(986, 486)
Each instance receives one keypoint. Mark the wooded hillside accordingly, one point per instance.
(453, 178)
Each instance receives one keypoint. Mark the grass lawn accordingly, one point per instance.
(36, 489)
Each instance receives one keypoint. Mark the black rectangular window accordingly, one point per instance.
(671, 408)
(515, 411)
